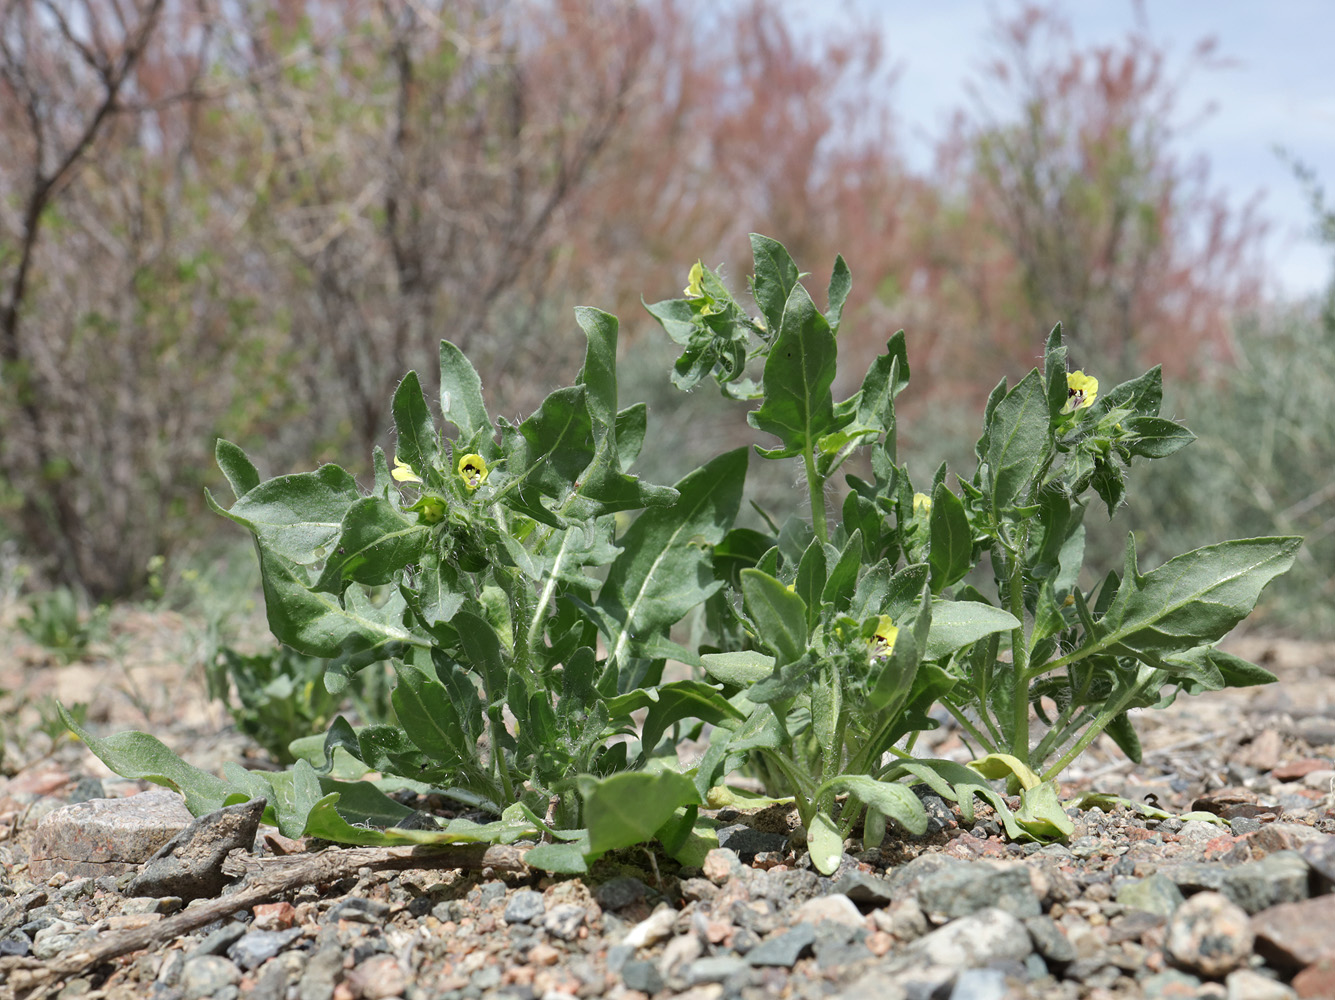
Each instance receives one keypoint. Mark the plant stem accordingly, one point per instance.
(816, 490)
(1019, 651)
(1096, 727)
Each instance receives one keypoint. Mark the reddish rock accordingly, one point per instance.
(1295, 770)
(274, 916)
(1263, 752)
(378, 978)
(1209, 935)
(1295, 935)
(38, 783)
(1281, 837)
(106, 836)
(1317, 981)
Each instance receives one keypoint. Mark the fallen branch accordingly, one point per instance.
(272, 877)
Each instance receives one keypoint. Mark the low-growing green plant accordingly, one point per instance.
(279, 695)
(527, 624)
(57, 621)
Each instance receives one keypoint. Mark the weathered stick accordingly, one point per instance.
(272, 877)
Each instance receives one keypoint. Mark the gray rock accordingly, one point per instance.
(190, 864)
(321, 975)
(1049, 941)
(642, 976)
(15, 943)
(1198, 833)
(1209, 935)
(957, 892)
(1155, 894)
(524, 907)
(106, 836)
(905, 879)
(1244, 984)
(216, 942)
(276, 977)
(1195, 876)
(747, 842)
(1169, 984)
(57, 936)
(1320, 854)
(929, 982)
(878, 983)
(357, 909)
(207, 976)
(865, 889)
(1282, 877)
(836, 908)
(488, 893)
(564, 921)
(784, 949)
(980, 984)
(714, 970)
(990, 935)
(254, 949)
(618, 893)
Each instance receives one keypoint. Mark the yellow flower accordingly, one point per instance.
(922, 504)
(693, 289)
(1081, 391)
(473, 470)
(403, 472)
(884, 639)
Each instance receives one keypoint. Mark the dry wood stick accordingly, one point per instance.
(272, 877)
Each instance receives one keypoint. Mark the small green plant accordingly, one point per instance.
(57, 621)
(526, 623)
(851, 632)
(279, 695)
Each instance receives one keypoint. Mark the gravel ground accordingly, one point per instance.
(1131, 906)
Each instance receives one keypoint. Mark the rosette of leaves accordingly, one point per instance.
(524, 630)
(829, 713)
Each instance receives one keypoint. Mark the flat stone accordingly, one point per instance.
(1273, 837)
(642, 976)
(1295, 770)
(980, 984)
(1244, 984)
(861, 887)
(106, 836)
(982, 938)
(190, 864)
(836, 908)
(1282, 877)
(1292, 936)
(255, 948)
(1209, 935)
(378, 978)
(358, 909)
(957, 892)
(1157, 894)
(714, 969)
(1317, 981)
(1049, 941)
(1320, 855)
(783, 950)
(747, 842)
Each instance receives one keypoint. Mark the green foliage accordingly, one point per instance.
(528, 620)
(279, 695)
(57, 621)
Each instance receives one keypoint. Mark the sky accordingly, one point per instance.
(1277, 91)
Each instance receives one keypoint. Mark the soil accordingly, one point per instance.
(1099, 916)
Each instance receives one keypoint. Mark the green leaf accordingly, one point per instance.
(631, 426)
(664, 568)
(240, 473)
(1154, 437)
(671, 703)
(956, 624)
(891, 798)
(779, 614)
(841, 283)
(377, 540)
(824, 843)
(629, 808)
(1123, 733)
(775, 278)
(144, 757)
(296, 517)
(960, 784)
(1143, 395)
(951, 554)
(1193, 599)
(1041, 813)
(461, 400)
(1017, 441)
(810, 581)
(560, 858)
(798, 408)
(1004, 765)
(740, 669)
(418, 444)
(318, 624)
